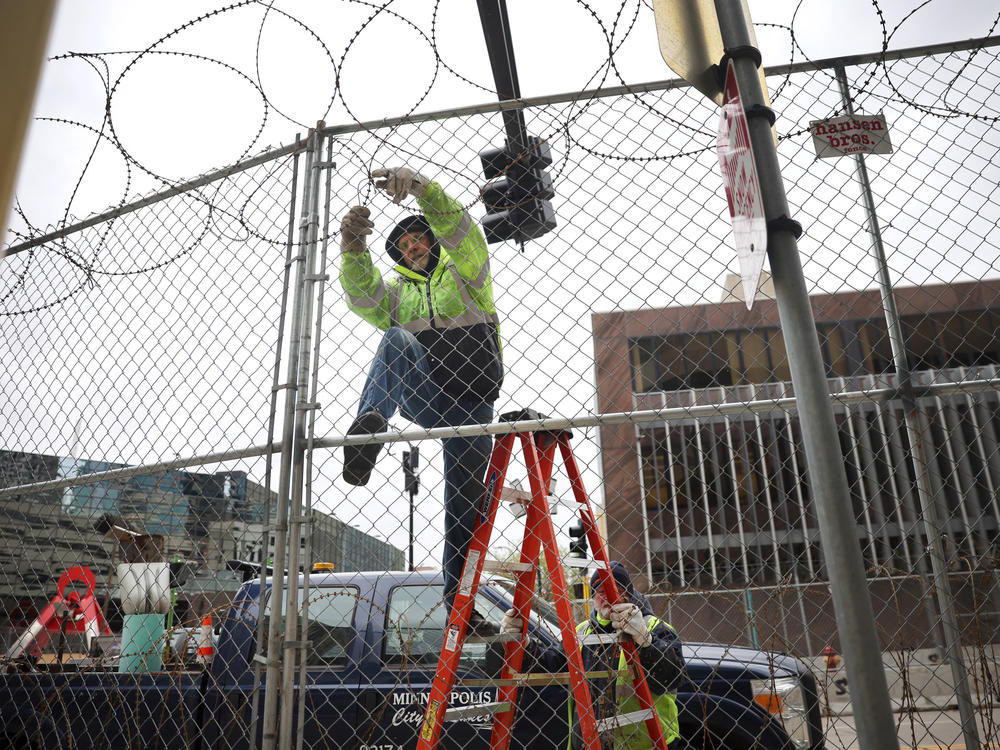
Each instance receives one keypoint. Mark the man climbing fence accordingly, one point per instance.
(439, 360)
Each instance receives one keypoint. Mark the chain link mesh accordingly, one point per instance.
(156, 349)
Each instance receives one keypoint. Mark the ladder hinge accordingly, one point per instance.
(507, 566)
(501, 638)
(595, 639)
(583, 562)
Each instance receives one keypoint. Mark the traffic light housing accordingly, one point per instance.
(518, 192)
(411, 459)
(578, 541)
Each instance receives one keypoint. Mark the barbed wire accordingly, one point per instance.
(617, 313)
(625, 20)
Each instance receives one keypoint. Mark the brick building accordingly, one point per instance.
(719, 502)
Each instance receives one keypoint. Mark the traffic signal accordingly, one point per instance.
(411, 459)
(578, 541)
(518, 192)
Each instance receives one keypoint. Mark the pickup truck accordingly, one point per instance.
(373, 640)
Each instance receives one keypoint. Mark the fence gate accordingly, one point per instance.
(182, 370)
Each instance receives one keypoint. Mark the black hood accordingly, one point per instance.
(624, 582)
(415, 223)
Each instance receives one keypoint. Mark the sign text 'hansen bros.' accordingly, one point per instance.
(852, 134)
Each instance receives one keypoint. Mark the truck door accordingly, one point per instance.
(406, 642)
(335, 651)
(336, 613)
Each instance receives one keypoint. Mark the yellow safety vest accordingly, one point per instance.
(635, 736)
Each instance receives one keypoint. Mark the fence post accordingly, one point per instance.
(827, 478)
(312, 407)
(309, 236)
(260, 649)
(919, 440)
(288, 435)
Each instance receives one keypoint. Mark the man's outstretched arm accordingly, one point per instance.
(361, 281)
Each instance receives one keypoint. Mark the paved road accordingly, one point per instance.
(919, 730)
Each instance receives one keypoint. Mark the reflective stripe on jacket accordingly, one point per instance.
(634, 736)
(451, 312)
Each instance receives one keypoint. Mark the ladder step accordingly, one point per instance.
(583, 562)
(470, 712)
(621, 720)
(514, 495)
(499, 638)
(595, 639)
(506, 566)
(539, 678)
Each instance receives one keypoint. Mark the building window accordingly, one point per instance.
(674, 363)
(849, 348)
(948, 340)
(876, 351)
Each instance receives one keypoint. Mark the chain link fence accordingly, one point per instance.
(183, 370)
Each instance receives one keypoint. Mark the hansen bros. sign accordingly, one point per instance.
(853, 134)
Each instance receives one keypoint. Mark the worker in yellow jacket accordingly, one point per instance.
(439, 361)
(659, 653)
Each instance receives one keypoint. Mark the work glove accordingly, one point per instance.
(353, 228)
(400, 182)
(627, 618)
(511, 623)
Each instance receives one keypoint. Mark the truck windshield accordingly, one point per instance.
(330, 628)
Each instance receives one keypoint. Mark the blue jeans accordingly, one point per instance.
(400, 378)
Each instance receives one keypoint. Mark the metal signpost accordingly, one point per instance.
(828, 479)
(851, 139)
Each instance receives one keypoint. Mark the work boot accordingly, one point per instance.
(359, 460)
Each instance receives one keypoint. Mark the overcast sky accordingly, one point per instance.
(178, 115)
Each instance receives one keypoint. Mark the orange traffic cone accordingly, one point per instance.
(206, 645)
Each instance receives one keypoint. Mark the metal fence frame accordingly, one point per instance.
(298, 441)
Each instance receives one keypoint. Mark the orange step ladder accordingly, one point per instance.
(539, 449)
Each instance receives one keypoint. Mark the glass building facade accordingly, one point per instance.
(172, 503)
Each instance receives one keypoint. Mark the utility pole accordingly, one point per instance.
(827, 478)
